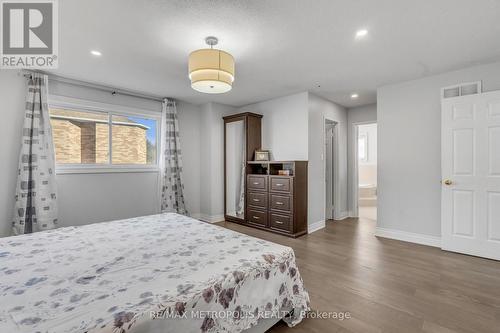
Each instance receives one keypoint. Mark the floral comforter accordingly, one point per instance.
(139, 274)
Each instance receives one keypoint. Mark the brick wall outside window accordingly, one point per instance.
(129, 145)
(87, 142)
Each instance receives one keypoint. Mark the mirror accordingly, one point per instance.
(235, 168)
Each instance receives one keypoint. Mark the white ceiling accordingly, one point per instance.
(281, 46)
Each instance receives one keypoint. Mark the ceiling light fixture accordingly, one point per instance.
(354, 96)
(361, 33)
(211, 71)
(96, 53)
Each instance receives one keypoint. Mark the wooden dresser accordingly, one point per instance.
(275, 202)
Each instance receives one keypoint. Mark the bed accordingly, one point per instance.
(165, 272)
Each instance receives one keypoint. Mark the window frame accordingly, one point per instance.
(75, 104)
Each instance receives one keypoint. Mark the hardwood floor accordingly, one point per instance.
(388, 285)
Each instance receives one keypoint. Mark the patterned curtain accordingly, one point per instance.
(171, 181)
(36, 205)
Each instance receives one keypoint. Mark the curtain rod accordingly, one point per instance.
(113, 91)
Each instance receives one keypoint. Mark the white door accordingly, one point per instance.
(470, 152)
(329, 171)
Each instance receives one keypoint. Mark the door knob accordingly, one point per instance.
(447, 182)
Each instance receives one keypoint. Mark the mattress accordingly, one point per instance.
(133, 275)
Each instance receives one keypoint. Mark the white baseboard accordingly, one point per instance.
(343, 216)
(208, 218)
(315, 226)
(408, 237)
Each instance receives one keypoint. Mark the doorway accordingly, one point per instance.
(366, 170)
(331, 163)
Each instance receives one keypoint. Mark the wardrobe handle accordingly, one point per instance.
(256, 217)
(279, 222)
(256, 200)
(256, 183)
(279, 184)
(279, 203)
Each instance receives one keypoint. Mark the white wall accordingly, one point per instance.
(284, 132)
(87, 93)
(190, 136)
(12, 95)
(284, 126)
(292, 128)
(362, 114)
(212, 160)
(409, 154)
(205, 156)
(319, 109)
(87, 198)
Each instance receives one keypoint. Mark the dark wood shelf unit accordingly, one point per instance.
(275, 202)
(270, 167)
(257, 168)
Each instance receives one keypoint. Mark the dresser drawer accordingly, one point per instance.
(280, 202)
(257, 199)
(257, 217)
(281, 222)
(257, 182)
(281, 184)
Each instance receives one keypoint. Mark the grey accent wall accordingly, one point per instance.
(409, 156)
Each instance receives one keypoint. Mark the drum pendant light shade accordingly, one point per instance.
(211, 71)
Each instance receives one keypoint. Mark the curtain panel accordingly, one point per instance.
(36, 193)
(171, 179)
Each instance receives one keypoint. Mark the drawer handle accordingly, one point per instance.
(256, 200)
(256, 183)
(280, 184)
(279, 222)
(279, 203)
(256, 217)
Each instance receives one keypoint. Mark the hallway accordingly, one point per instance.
(368, 212)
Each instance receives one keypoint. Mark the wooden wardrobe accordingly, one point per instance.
(257, 193)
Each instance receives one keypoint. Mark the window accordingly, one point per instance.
(86, 139)
(363, 147)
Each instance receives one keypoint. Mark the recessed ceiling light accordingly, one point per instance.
(361, 33)
(96, 53)
(354, 96)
